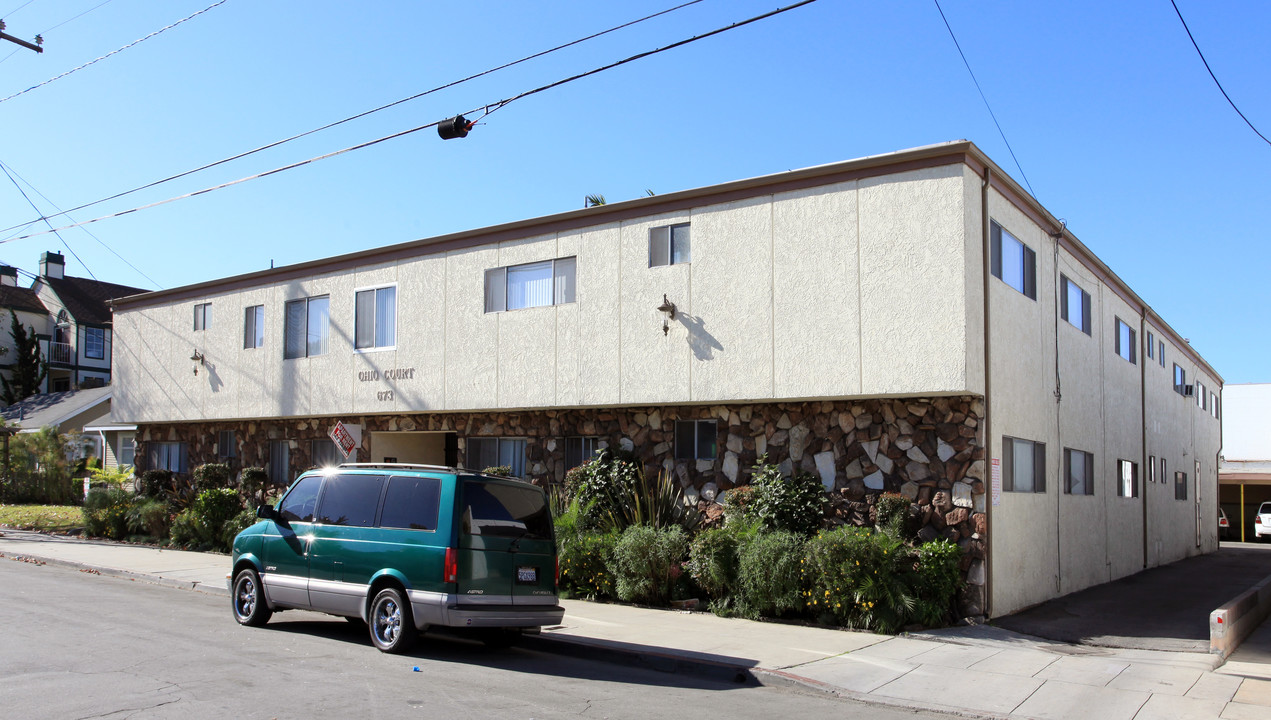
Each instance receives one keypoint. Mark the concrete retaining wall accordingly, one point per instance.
(1230, 624)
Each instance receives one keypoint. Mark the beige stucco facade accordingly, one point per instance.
(865, 280)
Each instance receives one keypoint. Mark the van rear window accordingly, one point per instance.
(505, 511)
(411, 503)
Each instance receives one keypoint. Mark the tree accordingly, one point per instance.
(29, 369)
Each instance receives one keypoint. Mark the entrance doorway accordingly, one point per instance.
(422, 448)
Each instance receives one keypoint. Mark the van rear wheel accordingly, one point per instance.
(392, 625)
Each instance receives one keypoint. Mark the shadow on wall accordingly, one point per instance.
(213, 378)
(703, 344)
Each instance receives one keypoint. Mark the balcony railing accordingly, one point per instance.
(61, 353)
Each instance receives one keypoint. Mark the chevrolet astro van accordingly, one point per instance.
(403, 548)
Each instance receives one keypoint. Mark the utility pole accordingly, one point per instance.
(29, 46)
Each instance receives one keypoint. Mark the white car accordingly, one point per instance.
(1262, 521)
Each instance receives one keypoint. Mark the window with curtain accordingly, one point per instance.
(306, 327)
(491, 452)
(375, 324)
(538, 284)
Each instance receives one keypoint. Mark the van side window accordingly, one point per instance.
(350, 500)
(299, 503)
(505, 511)
(411, 503)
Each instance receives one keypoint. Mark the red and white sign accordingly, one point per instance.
(342, 439)
(995, 480)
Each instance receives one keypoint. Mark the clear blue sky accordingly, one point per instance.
(1116, 123)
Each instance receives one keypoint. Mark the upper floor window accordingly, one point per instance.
(1201, 398)
(1180, 380)
(1125, 342)
(1213, 404)
(1160, 355)
(94, 343)
(375, 322)
(1180, 486)
(254, 326)
(307, 327)
(696, 439)
(539, 284)
(1014, 263)
(1078, 472)
(669, 245)
(1075, 305)
(202, 316)
(1023, 465)
(1151, 342)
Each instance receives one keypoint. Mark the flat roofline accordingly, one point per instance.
(955, 152)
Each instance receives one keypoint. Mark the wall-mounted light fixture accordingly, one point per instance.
(199, 358)
(667, 308)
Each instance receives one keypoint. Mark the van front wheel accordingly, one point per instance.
(249, 599)
(392, 626)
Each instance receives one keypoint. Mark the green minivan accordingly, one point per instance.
(403, 547)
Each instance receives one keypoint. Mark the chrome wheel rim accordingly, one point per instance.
(245, 598)
(388, 621)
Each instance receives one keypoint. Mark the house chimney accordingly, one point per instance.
(8, 275)
(52, 265)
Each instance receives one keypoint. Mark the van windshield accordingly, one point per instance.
(500, 510)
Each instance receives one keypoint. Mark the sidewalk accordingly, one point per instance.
(979, 671)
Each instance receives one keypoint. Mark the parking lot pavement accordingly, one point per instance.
(1165, 608)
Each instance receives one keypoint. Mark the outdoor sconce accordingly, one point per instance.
(199, 358)
(667, 308)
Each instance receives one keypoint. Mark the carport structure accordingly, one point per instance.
(1244, 473)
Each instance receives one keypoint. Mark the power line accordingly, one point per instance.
(5, 168)
(1000, 131)
(46, 32)
(86, 230)
(113, 52)
(487, 108)
(28, 2)
(1215, 77)
(369, 112)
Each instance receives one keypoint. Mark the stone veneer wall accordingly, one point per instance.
(929, 449)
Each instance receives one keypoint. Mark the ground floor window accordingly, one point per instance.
(579, 450)
(696, 439)
(493, 452)
(226, 445)
(127, 449)
(168, 456)
(1023, 465)
(280, 462)
(324, 453)
(1128, 479)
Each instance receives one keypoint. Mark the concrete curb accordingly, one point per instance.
(781, 678)
(1236, 619)
(619, 653)
(130, 575)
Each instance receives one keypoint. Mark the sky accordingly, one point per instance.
(1115, 122)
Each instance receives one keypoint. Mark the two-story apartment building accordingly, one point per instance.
(911, 323)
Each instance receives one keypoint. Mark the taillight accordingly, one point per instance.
(1257, 519)
(451, 572)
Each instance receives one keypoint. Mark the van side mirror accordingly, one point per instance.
(267, 512)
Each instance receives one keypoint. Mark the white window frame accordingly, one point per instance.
(202, 316)
(383, 331)
(127, 447)
(670, 245)
(1013, 262)
(101, 343)
(1081, 318)
(324, 340)
(564, 275)
(253, 327)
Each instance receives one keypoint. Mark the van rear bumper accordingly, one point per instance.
(444, 609)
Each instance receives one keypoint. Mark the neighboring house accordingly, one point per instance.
(31, 313)
(912, 323)
(69, 411)
(1245, 471)
(77, 345)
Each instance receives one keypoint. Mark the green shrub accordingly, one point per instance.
(713, 558)
(154, 483)
(253, 483)
(212, 476)
(937, 582)
(240, 522)
(585, 559)
(187, 529)
(604, 486)
(736, 504)
(210, 511)
(503, 470)
(769, 574)
(106, 512)
(112, 478)
(646, 561)
(793, 504)
(891, 515)
(860, 578)
(149, 516)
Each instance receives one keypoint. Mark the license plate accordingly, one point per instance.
(527, 575)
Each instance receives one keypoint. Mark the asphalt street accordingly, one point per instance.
(80, 645)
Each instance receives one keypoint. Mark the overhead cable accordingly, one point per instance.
(488, 109)
(328, 126)
(7, 174)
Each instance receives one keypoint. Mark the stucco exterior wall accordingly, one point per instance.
(852, 289)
